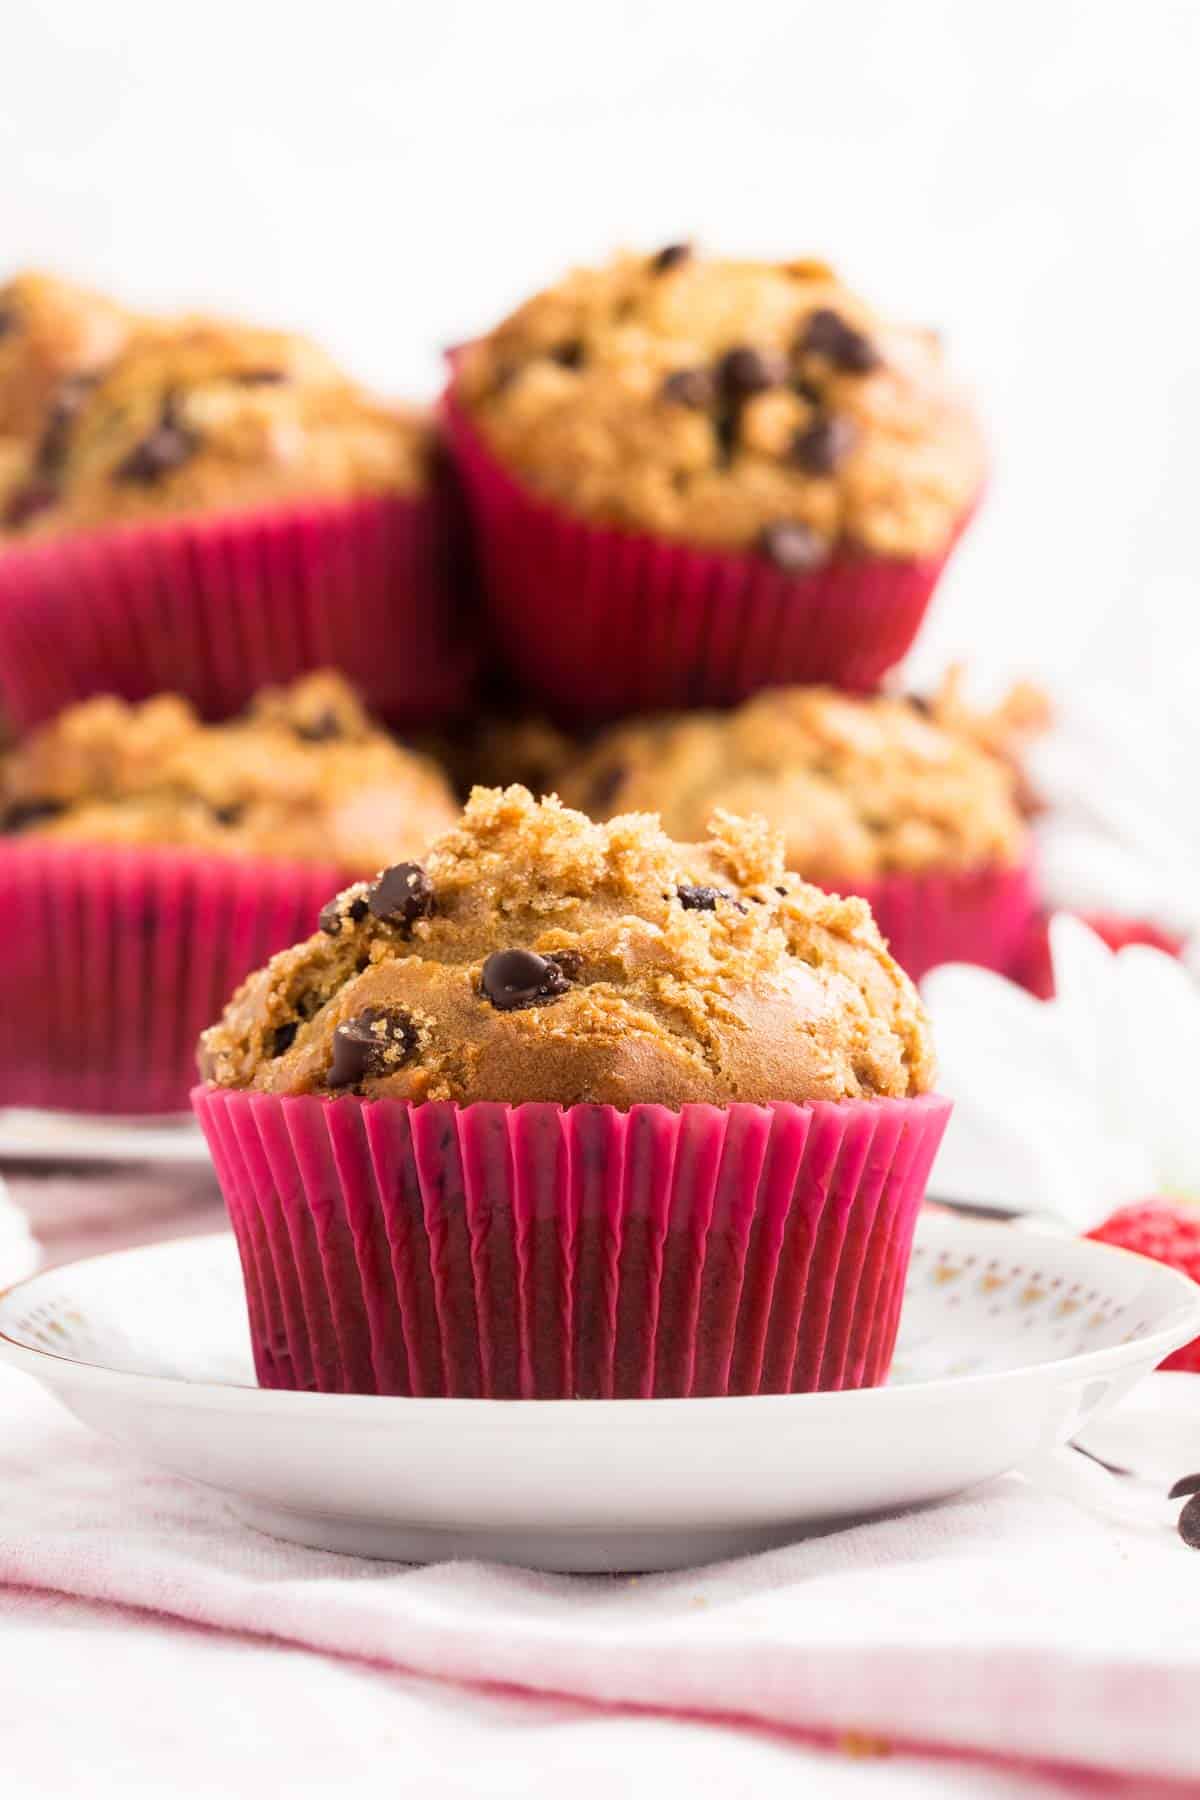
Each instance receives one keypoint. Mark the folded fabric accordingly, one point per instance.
(1016, 1621)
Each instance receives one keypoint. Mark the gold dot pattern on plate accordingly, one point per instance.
(1062, 1317)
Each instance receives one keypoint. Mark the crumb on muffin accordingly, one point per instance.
(857, 787)
(729, 404)
(304, 774)
(531, 954)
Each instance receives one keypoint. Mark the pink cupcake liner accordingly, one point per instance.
(979, 916)
(216, 607)
(543, 1252)
(598, 621)
(112, 962)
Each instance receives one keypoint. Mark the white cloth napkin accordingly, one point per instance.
(1015, 1622)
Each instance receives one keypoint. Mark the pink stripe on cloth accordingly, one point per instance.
(1007, 1623)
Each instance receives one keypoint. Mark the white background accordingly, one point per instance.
(392, 176)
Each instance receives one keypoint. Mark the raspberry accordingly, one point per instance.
(1167, 1233)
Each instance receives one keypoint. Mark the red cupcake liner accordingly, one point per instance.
(543, 1252)
(112, 962)
(979, 916)
(597, 621)
(216, 607)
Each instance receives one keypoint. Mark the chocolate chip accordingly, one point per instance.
(320, 730)
(8, 320)
(228, 815)
(27, 502)
(744, 371)
(791, 546)
(333, 912)
(285, 1037)
(1189, 1523)
(700, 899)
(828, 334)
(23, 813)
(379, 1040)
(820, 447)
(1187, 1484)
(167, 447)
(670, 257)
(260, 377)
(52, 445)
(402, 895)
(689, 387)
(920, 703)
(41, 490)
(570, 354)
(513, 979)
(726, 426)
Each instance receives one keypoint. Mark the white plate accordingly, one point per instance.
(173, 1140)
(1008, 1343)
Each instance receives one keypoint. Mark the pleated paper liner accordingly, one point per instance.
(215, 607)
(112, 961)
(981, 915)
(594, 621)
(542, 1252)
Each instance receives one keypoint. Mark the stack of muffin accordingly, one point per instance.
(675, 522)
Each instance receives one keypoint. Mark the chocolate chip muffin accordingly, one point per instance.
(742, 405)
(856, 787)
(304, 775)
(531, 955)
(202, 416)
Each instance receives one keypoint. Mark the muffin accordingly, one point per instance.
(890, 797)
(218, 508)
(566, 1109)
(207, 417)
(692, 477)
(148, 861)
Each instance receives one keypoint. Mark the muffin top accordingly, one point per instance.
(51, 332)
(856, 787)
(736, 404)
(304, 775)
(201, 415)
(534, 955)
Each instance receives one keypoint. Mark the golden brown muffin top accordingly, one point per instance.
(732, 404)
(856, 787)
(534, 955)
(305, 774)
(199, 415)
(51, 332)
